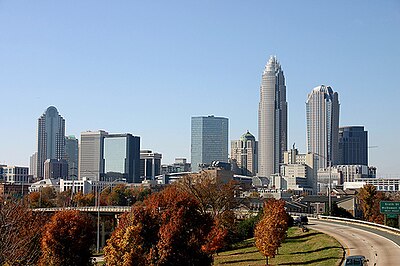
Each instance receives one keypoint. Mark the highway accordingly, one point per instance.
(362, 241)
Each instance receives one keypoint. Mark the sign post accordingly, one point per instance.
(391, 209)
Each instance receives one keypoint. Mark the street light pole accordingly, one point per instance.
(98, 218)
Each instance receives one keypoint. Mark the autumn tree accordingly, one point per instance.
(166, 229)
(67, 239)
(45, 198)
(79, 199)
(20, 233)
(370, 199)
(271, 230)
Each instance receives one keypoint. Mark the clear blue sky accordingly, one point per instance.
(146, 67)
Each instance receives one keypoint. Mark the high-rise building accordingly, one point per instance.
(150, 164)
(33, 165)
(51, 138)
(322, 108)
(209, 140)
(122, 157)
(244, 152)
(72, 156)
(55, 168)
(91, 163)
(353, 145)
(272, 119)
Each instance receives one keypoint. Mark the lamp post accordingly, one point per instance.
(98, 192)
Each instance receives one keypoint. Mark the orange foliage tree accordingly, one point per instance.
(20, 233)
(166, 229)
(67, 239)
(369, 201)
(271, 230)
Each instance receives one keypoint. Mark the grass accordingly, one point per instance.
(309, 248)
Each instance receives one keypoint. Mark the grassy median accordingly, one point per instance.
(309, 248)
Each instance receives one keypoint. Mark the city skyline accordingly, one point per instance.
(148, 68)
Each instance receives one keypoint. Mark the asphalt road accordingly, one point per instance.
(373, 244)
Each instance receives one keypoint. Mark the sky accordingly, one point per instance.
(147, 67)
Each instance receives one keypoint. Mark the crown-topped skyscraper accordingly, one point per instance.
(272, 119)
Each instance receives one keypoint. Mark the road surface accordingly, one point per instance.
(358, 241)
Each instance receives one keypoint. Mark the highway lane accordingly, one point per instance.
(376, 248)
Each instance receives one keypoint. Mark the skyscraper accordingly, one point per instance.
(209, 140)
(122, 157)
(51, 138)
(353, 145)
(245, 153)
(72, 156)
(272, 119)
(322, 108)
(91, 162)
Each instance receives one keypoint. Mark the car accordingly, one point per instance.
(356, 260)
(301, 220)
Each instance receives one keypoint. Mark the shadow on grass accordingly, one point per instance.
(238, 261)
(304, 235)
(239, 253)
(315, 250)
(309, 261)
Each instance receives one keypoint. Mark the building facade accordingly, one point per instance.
(122, 157)
(150, 164)
(51, 138)
(55, 168)
(245, 153)
(180, 165)
(353, 145)
(15, 174)
(272, 119)
(33, 165)
(72, 156)
(91, 163)
(322, 108)
(209, 140)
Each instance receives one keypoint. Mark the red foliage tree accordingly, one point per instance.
(20, 233)
(167, 229)
(67, 239)
(369, 201)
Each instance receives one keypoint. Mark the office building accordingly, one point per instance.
(272, 119)
(245, 153)
(15, 174)
(72, 156)
(91, 164)
(51, 138)
(353, 145)
(150, 164)
(55, 169)
(179, 166)
(322, 108)
(122, 157)
(209, 140)
(33, 165)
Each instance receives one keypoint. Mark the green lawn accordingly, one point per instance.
(310, 248)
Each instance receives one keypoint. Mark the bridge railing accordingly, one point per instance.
(116, 209)
(379, 226)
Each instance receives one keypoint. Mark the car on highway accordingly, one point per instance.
(356, 260)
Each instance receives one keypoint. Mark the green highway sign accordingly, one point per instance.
(392, 215)
(392, 207)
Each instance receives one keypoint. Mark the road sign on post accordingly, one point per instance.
(390, 207)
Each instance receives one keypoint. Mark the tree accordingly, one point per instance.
(271, 229)
(20, 233)
(166, 229)
(67, 239)
(45, 198)
(215, 198)
(81, 199)
(369, 201)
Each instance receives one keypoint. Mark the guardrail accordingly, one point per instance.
(310, 215)
(378, 226)
(113, 209)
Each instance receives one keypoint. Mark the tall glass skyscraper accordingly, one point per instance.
(272, 119)
(71, 155)
(122, 157)
(209, 137)
(51, 138)
(322, 108)
(353, 145)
